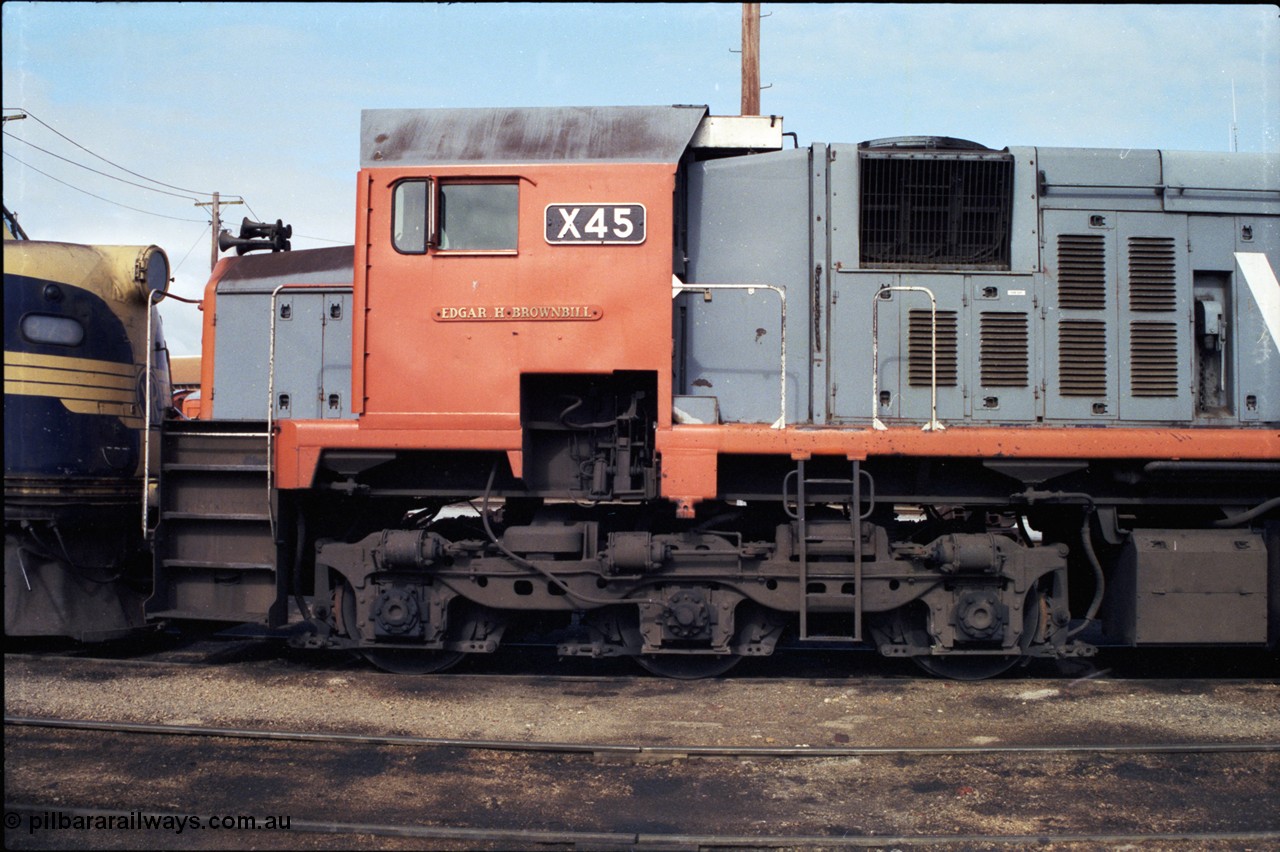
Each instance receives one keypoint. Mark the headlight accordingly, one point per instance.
(48, 328)
(151, 270)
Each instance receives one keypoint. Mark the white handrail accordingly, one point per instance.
(146, 417)
(678, 287)
(934, 425)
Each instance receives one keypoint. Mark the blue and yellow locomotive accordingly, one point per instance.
(86, 384)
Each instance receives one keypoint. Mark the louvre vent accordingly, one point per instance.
(1003, 353)
(1082, 358)
(1151, 274)
(1082, 272)
(1153, 358)
(935, 210)
(919, 347)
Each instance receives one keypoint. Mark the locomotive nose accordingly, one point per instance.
(147, 267)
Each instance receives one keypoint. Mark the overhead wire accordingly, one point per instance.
(95, 171)
(104, 159)
(203, 231)
(99, 197)
(55, 131)
(225, 196)
(322, 239)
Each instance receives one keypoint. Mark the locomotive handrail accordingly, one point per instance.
(1157, 188)
(792, 474)
(678, 287)
(934, 425)
(146, 419)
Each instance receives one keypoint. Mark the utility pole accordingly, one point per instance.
(1235, 136)
(750, 58)
(214, 228)
(10, 219)
(216, 204)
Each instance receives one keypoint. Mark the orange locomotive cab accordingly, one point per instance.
(538, 240)
(509, 294)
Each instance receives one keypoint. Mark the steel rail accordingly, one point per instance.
(530, 838)
(863, 679)
(664, 751)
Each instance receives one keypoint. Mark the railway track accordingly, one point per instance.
(808, 665)
(500, 761)
(641, 751)
(790, 662)
(643, 771)
(572, 840)
(772, 712)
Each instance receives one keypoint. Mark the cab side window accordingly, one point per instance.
(478, 216)
(409, 216)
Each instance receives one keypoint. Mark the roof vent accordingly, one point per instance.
(928, 143)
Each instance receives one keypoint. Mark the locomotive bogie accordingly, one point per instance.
(708, 594)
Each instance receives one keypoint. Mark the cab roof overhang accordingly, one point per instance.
(418, 137)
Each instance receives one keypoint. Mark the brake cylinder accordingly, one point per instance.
(402, 550)
(966, 553)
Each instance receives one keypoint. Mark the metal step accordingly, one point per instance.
(803, 495)
(201, 516)
(214, 468)
(216, 554)
(217, 566)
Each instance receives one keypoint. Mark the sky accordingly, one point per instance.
(262, 101)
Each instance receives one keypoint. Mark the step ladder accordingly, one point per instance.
(216, 551)
(804, 485)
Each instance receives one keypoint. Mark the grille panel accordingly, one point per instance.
(1003, 350)
(935, 211)
(1082, 358)
(919, 347)
(1082, 272)
(1153, 358)
(1152, 278)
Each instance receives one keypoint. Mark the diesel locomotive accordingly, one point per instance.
(85, 391)
(657, 384)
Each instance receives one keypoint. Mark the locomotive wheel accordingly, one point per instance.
(906, 626)
(467, 622)
(406, 659)
(412, 661)
(688, 666)
(981, 667)
(966, 667)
